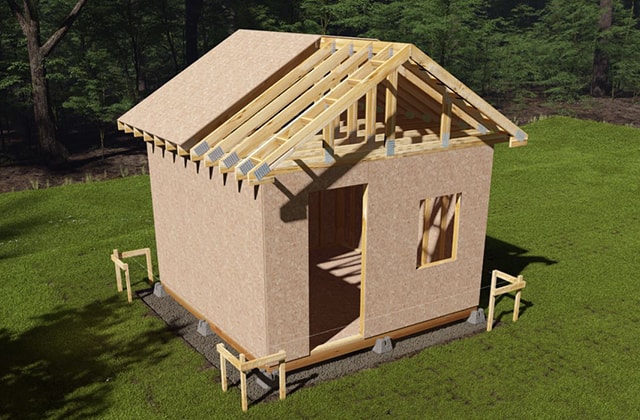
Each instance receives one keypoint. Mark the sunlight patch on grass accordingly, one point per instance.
(563, 212)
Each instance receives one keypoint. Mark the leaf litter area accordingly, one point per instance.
(125, 156)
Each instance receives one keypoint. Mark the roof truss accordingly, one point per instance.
(351, 100)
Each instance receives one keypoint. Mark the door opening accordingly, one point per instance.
(336, 241)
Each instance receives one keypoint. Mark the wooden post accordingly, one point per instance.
(116, 257)
(223, 372)
(352, 122)
(118, 275)
(391, 103)
(445, 118)
(149, 266)
(492, 301)
(283, 379)
(517, 284)
(243, 384)
(516, 305)
(126, 275)
(370, 114)
(244, 366)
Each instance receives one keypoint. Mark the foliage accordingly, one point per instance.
(563, 212)
(120, 51)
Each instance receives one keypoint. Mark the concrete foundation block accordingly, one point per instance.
(477, 317)
(204, 329)
(267, 381)
(158, 290)
(383, 345)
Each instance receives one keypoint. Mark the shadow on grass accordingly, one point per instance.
(69, 363)
(510, 259)
(13, 227)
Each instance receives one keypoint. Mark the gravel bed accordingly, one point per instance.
(184, 324)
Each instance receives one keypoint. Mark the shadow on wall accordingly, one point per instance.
(510, 259)
(70, 361)
(296, 208)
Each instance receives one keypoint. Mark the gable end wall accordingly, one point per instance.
(397, 293)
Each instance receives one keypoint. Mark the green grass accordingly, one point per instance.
(564, 212)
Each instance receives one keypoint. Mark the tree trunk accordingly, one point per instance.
(600, 80)
(193, 8)
(51, 150)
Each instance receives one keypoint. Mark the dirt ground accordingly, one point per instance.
(124, 156)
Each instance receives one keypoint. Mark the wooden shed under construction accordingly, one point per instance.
(313, 193)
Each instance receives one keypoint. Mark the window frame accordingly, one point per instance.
(449, 203)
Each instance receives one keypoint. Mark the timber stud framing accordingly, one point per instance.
(350, 100)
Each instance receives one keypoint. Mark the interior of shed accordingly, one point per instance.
(336, 239)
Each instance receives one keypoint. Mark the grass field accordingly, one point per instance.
(564, 212)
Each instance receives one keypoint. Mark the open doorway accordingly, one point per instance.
(336, 242)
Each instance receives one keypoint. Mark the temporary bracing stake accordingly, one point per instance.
(116, 257)
(245, 366)
(517, 284)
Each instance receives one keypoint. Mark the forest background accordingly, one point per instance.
(69, 68)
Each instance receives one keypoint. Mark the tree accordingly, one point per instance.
(193, 10)
(51, 149)
(600, 80)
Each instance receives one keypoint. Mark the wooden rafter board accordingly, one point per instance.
(320, 107)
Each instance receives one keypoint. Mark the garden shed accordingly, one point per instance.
(314, 193)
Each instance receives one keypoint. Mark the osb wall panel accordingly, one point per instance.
(196, 97)
(287, 254)
(397, 294)
(210, 249)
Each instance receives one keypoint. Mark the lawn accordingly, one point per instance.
(564, 212)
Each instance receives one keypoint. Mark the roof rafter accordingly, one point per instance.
(339, 99)
(331, 77)
(260, 109)
(518, 137)
(344, 100)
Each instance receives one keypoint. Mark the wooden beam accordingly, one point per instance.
(516, 284)
(467, 94)
(460, 109)
(345, 94)
(348, 154)
(358, 343)
(370, 114)
(352, 120)
(272, 100)
(220, 333)
(445, 119)
(182, 151)
(243, 366)
(242, 147)
(158, 142)
(390, 110)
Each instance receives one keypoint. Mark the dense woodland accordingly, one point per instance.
(71, 67)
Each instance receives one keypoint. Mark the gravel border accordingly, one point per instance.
(184, 324)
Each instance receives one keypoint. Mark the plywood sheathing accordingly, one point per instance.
(204, 257)
(397, 294)
(190, 105)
